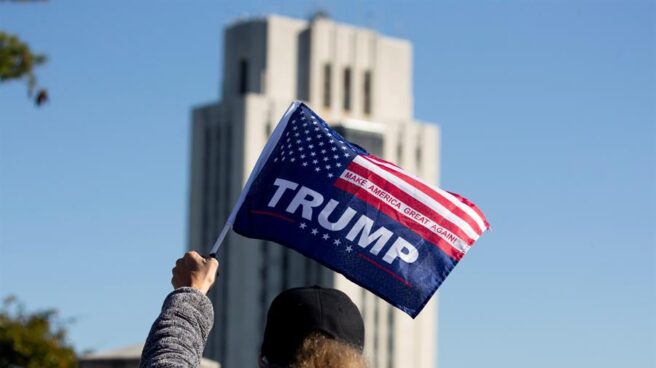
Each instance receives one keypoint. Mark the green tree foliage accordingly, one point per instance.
(32, 340)
(17, 61)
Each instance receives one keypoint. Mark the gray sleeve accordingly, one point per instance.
(178, 336)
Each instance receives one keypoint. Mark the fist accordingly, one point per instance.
(195, 271)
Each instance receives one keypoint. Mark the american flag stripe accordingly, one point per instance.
(469, 205)
(385, 208)
(427, 216)
(457, 204)
(466, 232)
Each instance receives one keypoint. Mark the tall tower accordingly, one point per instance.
(360, 82)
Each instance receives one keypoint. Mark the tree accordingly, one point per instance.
(33, 340)
(17, 61)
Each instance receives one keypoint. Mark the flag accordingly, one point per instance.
(384, 229)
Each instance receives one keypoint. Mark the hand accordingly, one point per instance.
(195, 271)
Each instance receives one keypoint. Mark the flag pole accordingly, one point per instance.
(219, 240)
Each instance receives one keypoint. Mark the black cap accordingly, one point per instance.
(295, 313)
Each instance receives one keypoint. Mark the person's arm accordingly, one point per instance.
(178, 336)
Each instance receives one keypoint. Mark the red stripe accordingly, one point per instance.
(410, 200)
(404, 281)
(433, 194)
(472, 206)
(373, 158)
(272, 214)
(387, 209)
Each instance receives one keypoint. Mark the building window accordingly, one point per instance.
(367, 92)
(376, 334)
(285, 268)
(390, 338)
(243, 76)
(327, 78)
(418, 156)
(264, 276)
(347, 89)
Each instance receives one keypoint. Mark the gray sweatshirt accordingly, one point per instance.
(178, 336)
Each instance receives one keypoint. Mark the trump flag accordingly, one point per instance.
(384, 229)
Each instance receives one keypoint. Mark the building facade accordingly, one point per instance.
(360, 82)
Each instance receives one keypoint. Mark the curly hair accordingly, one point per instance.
(320, 351)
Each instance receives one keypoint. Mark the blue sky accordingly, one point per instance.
(548, 115)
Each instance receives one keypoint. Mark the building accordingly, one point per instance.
(361, 83)
(126, 357)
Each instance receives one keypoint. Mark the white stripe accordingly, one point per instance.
(418, 195)
(468, 210)
(399, 206)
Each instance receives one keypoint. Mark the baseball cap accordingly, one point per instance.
(297, 312)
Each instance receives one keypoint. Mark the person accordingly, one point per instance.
(306, 327)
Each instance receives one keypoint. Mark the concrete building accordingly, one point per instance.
(361, 83)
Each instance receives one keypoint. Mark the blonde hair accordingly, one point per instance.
(320, 351)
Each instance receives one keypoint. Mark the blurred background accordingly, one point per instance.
(547, 113)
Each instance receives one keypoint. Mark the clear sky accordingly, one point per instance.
(548, 114)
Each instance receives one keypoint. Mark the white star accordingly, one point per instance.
(287, 134)
(315, 161)
(334, 148)
(302, 117)
(349, 248)
(307, 131)
(292, 159)
(300, 149)
(312, 154)
(293, 121)
(304, 124)
(302, 225)
(323, 151)
(289, 145)
(316, 128)
(338, 164)
(302, 156)
(343, 147)
(330, 175)
(346, 155)
(327, 166)
(288, 139)
(337, 242)
(325, 236)
(298, 141)
(283, 159)
(304, 163)
(335, 157)
(314, 231)
(317, 169)
(321, 143)
(311, 146)
(294, 128)
(308, 139)
(325, 158)
(296, 134)
(275, 159)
